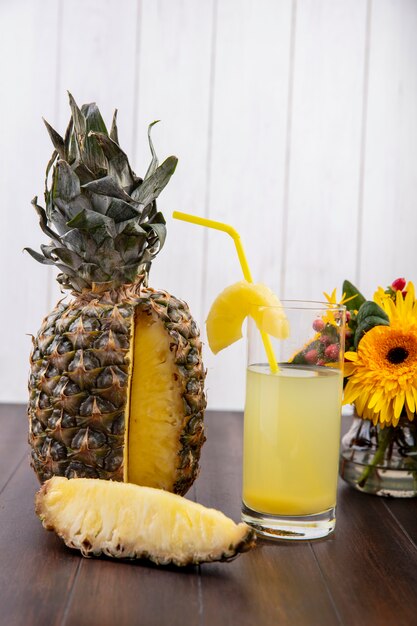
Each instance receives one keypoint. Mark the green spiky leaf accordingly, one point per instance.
(101, 219)
(352, 292)
(150, 189)
(154, 163)
(39, 257)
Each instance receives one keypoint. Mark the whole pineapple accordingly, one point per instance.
(116, 382)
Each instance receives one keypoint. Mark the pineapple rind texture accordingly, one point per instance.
(104, 231)
(80, 373)
(132, 522)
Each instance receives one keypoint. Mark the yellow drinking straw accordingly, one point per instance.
(203, 221)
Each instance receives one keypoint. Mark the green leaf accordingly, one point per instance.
(350, 290)
(56, 139)
(91, 272)
(154, 163)
(92, 152)
(79, 122)
(131, 227)
(66, 184)
(38, 257)
(43, 221)
(118, 163)
(130, 247)
(149, 212)
(367, 323)
(47, 251)
(370, 308)
(107, 186)
(107, 257)
(121, 211)
(150, 189)
(93, 119)
(85, 175)
(71, 208)
(114, 135)
(158, 231)
(68, 257)
(51, 162)
(90, 220)
(80, 242)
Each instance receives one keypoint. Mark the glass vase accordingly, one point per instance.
(381, 461)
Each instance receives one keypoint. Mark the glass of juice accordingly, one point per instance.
(292, 423)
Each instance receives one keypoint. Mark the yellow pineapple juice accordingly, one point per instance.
(291, 439)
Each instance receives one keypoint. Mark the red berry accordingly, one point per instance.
(398, 284)
(332, 352)
(321, 362)
(403, 293)
(311, 356)
(348, 316)
(318, 325)
(325, 340)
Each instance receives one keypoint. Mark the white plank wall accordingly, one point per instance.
(389, 224)
(174, 86)
(247, 162)
(28, 50)
(324, 158)
(294, 120)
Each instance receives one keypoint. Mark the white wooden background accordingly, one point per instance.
(294, 120)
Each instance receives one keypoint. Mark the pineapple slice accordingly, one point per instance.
(127, 521)
(234, 304)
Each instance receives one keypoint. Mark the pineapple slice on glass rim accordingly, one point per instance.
(234, 304)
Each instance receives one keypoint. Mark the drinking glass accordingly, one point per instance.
(292, 422)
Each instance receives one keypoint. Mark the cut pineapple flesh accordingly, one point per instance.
(128, 521)
(156, 407)
(234, 304)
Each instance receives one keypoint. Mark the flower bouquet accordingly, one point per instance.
(379, 453)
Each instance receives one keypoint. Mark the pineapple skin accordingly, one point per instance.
(132, 522)
(79, 383)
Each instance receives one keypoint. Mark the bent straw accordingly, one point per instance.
(203, 221)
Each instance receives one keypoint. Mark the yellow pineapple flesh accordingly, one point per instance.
(156, 407)
(234, 304)
(128, 521)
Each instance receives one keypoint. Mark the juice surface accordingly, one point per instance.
(291, 439)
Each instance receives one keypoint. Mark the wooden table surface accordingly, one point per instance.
(365, 574)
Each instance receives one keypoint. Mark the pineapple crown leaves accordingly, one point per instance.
(101, 219)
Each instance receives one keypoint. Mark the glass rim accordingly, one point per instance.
(303, 305)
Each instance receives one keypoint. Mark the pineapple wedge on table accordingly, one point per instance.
(129, 521)
(116, 382)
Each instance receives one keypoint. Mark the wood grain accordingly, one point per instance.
(13, 442)
(269, 585)
(36, 571)
(370, 564)
(405, 512)
(133, 593)
(365, 574)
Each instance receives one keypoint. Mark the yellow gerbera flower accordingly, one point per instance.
(402, 312)
(383, 372)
